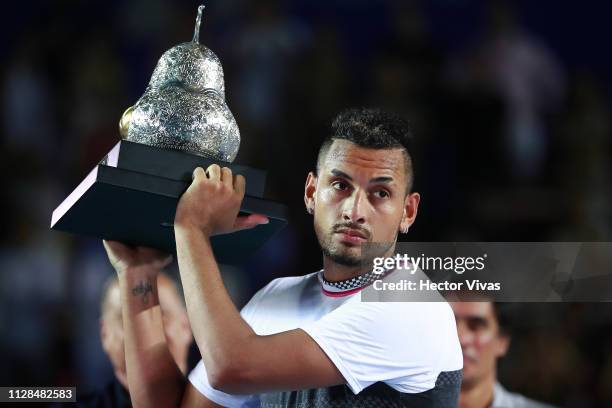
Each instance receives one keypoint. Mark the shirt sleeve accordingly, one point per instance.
(404, 344)
(199, 379)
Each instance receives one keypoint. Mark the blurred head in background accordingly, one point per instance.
(484, 329)
(176, 325)
(484, 338)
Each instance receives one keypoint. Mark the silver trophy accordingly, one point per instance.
(184, 105)
(180, 122)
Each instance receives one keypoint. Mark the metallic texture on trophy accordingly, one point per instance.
(184, 105)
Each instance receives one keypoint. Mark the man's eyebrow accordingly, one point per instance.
(342, 174)
(382, 179)
(477, 319)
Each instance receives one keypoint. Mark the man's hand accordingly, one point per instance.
(212, 202)
(122, 257)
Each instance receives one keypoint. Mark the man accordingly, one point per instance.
(303, 341)
(177, 331)
(484, 335)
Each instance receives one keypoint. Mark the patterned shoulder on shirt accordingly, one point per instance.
(445, 394)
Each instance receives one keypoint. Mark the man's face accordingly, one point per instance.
(481, 341)
(176, 327)
(111, 334)
(359, 197)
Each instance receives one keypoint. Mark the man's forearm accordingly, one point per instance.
(219, 330)
(153, 377)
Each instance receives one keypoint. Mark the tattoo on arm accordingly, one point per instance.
(143, 289)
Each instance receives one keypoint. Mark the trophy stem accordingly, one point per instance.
(196, 32)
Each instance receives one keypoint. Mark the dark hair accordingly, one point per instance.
(504, 313)
(371, 128)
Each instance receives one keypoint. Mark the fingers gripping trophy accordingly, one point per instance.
(179, 138)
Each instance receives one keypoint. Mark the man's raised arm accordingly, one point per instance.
(237, 360)
(154, 379)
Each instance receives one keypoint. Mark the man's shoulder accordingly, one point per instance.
(288, 283)
(431, 313)
(283, 293)
(506, 399)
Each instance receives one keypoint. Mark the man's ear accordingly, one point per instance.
(411, 207)
(310, 192)
(503, 343)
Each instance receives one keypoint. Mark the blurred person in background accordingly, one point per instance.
(484, 334)
(520, 71)
(177, 331)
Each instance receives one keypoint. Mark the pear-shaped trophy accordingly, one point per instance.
(181, 121)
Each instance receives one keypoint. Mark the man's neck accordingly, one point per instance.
(478, 395)
(335, 272)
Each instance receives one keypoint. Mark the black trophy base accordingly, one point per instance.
(115, 202)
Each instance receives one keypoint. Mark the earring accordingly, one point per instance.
(404, 229)
(309, 210)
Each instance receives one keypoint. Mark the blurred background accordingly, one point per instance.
(509, 101)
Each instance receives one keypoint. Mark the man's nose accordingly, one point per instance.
(355, 207)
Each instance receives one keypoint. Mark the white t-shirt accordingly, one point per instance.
(405, 345)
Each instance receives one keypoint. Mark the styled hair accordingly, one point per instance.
(371, 128)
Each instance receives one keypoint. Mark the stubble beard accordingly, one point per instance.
(341, 255)
(334, 253)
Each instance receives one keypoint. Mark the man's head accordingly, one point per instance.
(176, 325)
(361, 190)
(484, 336)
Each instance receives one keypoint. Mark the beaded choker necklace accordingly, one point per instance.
(352, 285)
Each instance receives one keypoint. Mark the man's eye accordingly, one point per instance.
(340, 185)
(476, 324)
(381, 194)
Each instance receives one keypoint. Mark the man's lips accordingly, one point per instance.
(469, 359)
(352, 235)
